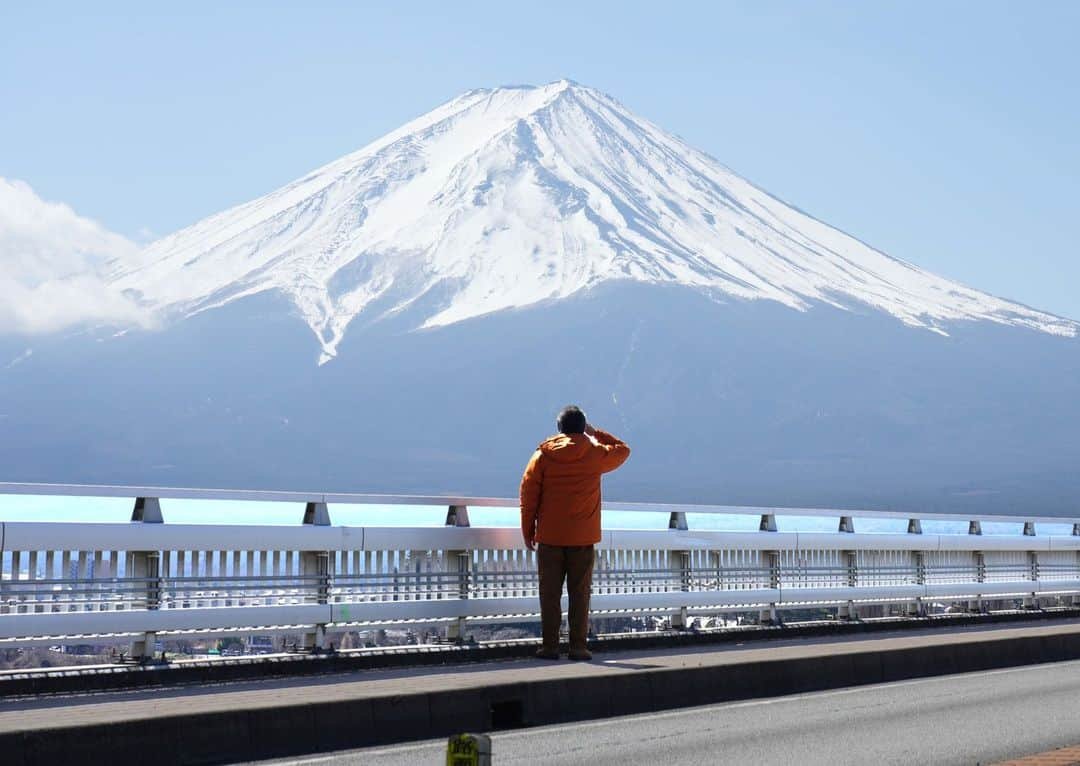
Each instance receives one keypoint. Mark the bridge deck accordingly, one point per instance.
(274, 717)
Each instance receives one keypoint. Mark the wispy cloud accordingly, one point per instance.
(51, 265)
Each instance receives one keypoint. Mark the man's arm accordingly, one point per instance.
(616, 449)
(531, 485)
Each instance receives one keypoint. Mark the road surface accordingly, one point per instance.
(976, 718)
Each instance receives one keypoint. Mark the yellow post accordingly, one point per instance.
(468, 750)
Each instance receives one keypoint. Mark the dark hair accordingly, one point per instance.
(571, 420)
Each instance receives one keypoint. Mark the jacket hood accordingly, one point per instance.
(566, 448)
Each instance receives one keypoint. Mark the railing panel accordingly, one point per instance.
(810, 568)
(1007, 566)
(951, 566)
(221, 577)
(1059, 565)
(886, 567)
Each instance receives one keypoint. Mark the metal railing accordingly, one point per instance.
(144, 580)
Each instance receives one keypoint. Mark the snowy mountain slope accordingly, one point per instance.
(510, 197)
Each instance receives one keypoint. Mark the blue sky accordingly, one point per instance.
(942, 133)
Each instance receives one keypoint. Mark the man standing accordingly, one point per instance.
(560, 520)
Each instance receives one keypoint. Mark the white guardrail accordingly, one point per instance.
(144, 580)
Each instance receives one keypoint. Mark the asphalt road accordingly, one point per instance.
(976, 718)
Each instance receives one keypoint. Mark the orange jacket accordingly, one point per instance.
(560, 490)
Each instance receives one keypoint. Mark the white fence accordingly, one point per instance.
(118, 582)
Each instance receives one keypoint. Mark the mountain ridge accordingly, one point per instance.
(506, 197)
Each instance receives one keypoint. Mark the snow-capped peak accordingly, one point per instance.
(511, 196)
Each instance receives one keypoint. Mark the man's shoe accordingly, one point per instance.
(580, 655)
(547, 654)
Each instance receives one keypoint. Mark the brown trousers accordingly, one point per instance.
(573, 564)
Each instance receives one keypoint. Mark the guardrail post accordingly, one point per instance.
(914, 527)
(316, 566)
(847, 524)
(980, 577)
(974, 527)
(772, 562)
(680, 565)
(1076, 533)
(1029, 528)
(457, 516)
(1032, 601)
(768, 523)
(849, 611)
(145, 567)
(918, 608)
(459, 562)
(315, 571)
(147, 510)
(317, 514)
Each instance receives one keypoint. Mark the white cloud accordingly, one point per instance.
(52, 262)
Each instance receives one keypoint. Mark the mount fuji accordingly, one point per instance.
(511, 197)
(408, 318)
